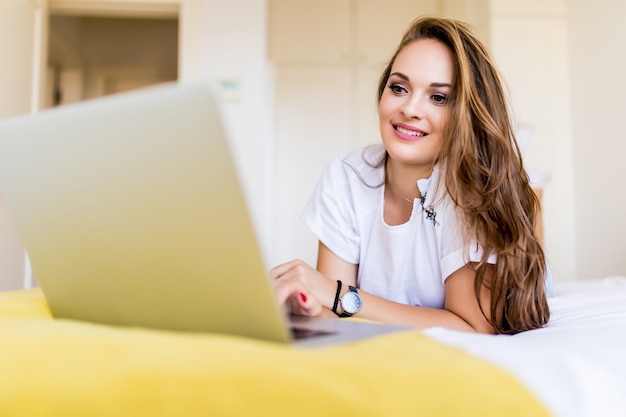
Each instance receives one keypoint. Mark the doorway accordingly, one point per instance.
(95, 52)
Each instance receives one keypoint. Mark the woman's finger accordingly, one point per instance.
(300, 300)
(286, 289)
(280, 270)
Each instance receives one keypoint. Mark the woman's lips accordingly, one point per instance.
(407, 133)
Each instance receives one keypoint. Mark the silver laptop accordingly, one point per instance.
(132, 214)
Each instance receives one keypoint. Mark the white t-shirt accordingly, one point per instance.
(407, 263)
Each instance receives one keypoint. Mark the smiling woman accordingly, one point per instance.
(435, 226)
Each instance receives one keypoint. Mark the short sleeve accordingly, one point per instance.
(330, 212)
(454, 254)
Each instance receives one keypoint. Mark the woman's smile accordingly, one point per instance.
(409, 133)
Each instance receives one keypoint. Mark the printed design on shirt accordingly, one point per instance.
(430, 211)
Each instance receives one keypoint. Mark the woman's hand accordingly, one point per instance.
(311, 291)
(298, 299)
(300, 286)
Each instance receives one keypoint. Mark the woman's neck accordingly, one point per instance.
(402, 179)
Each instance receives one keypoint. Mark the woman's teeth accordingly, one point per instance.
(410, 132)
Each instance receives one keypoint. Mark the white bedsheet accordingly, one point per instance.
(577, 364)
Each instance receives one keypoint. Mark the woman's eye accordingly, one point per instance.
(397, 89)
(439, 98)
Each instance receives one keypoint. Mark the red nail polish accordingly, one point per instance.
(303, 297)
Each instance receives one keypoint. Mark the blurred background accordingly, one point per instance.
(296, 80)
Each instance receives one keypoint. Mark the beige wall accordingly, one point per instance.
(598, 91)
(16, 18)
(225, 42)
(17, 35)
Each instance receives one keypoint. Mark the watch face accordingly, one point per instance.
(351, 302)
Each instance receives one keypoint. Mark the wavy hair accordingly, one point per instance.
(485, 176)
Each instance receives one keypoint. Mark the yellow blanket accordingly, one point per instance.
(67, 368)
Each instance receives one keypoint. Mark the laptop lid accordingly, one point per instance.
(132, 214)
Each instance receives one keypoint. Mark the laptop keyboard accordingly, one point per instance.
(300, 333)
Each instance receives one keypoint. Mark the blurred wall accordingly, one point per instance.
(598, 102)
(225, 42)
(17, 35)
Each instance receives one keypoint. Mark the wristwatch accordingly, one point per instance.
(350, 302)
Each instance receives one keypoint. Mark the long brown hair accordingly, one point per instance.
(485, 177)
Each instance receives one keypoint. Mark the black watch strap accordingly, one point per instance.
(336, 303)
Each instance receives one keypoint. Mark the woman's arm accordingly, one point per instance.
(313, 293)
(334, 267)
(461, 310)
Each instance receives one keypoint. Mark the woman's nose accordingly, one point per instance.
(413, 107)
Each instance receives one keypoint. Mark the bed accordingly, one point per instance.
(576, 366)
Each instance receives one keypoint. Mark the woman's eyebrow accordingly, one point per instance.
(401, 75)
(406, 78)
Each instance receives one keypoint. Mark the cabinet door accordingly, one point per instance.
(17, 35)
(309, 32)
(381, 24)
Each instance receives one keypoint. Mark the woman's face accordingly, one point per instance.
(413, 108)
